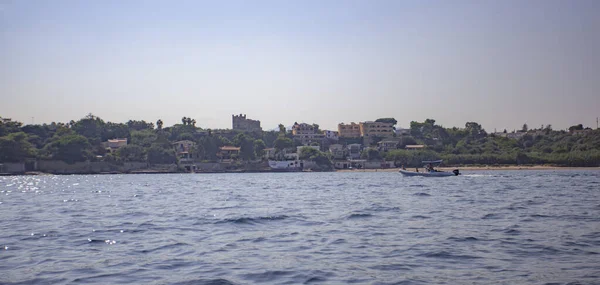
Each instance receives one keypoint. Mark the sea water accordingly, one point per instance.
(485, 227)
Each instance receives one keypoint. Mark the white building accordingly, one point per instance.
(332, 135)
(354, 150)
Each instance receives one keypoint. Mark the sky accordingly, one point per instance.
(498, 63)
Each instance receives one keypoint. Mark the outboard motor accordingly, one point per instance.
(456, 172)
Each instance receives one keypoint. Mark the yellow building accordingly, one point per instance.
(380, 129)
(351, 130)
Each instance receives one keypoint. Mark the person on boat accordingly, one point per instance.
(430, 168)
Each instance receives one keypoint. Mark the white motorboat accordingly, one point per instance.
(430, 170)
(285, 165)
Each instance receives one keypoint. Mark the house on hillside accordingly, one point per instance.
(414, 147)
(387, 145)
(337, 151)
(351, 130)
(113, 145)
(354, 150)
(270, 153)
(307, 134)
(379, 129)
(332, 135)
(229, 152)
(184, 150)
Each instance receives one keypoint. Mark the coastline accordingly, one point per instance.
(464, 168)
(479, 168)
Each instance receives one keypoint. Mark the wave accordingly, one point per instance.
(267, 276)
(165, 247)
(252, 220)
(218, 281)
(491, 217)
(378, 208)
(391, 267)
(359, 216)
(106, 241)
(420, 217)
(463, 239)
(448, 255)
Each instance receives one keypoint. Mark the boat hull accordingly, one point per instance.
(284, 166)
(428, 174)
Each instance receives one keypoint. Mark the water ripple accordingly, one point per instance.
(490, 227)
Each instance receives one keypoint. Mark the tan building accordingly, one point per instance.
(414, 147)
(380, 129)
(113, 144)
(241, 123)
(307, 134)
(351, 130)
(227, 152)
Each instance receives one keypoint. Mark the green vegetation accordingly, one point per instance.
(85, 140)
(473, 145)
(320, 158)
(387, 120)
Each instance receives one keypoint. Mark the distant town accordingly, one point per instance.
(91, 145)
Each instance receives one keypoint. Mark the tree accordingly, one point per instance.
(115, 130)
(38, 134)
(387, 120)
(475, 130)
(160, 154)
(70, 148)
(576, 128)
(282, 143)
(282, 130)
(259, 147)
(91, 127)
(131, 152)
(143, 138)
(140, 125)
(159, 124)
(309, 153)
(407, 140)
(525, 128)
(9, 127)
(306, 153)
(210, 147)
(371, 154)
(15, 148)
(246, 145)
(316, 127)
(184, 120)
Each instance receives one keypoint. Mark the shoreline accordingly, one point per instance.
(478, 168)
(465, 168)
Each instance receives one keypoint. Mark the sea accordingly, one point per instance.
(484, 227)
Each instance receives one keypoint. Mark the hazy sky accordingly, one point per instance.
(498, 63)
